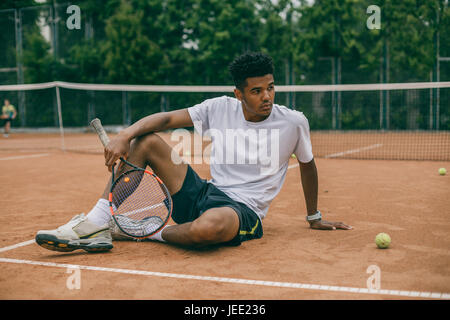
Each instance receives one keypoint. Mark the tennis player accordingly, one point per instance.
(8, 114)
(229, 208)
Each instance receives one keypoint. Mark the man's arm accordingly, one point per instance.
(309, 177)
(310, 184)
(158, 122)
(119, 146)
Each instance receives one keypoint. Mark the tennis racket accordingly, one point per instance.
(139, 201)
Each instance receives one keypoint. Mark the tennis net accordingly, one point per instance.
(405, 121)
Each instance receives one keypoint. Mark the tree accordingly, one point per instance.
(130, 56)
(193, 42)
(216, 32)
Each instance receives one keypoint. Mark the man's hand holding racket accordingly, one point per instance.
(117, 148)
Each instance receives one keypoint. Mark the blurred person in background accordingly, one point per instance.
(8, 114)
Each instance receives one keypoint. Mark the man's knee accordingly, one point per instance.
(207, 231)
(148, 147)
(146, 141)
(152, 150)
(214, 228)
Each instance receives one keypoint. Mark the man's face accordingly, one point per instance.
(257, 98)
(6, 102)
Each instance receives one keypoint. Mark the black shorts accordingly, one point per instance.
(5, 121)
(197, 195)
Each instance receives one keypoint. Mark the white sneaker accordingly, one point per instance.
(78, 233)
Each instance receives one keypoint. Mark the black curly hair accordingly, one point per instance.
(248, 65)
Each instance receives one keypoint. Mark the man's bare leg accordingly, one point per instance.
(216, 225)
(151, 150)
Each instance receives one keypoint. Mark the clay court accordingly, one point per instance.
(43, 187)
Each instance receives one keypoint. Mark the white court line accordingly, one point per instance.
(26, 157)
(343, 153)
(17, 245)
(413, 294)
(339, 154)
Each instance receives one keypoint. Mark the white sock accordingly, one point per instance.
(158, 236)
(100, 213)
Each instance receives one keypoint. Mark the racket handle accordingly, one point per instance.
(97, 125)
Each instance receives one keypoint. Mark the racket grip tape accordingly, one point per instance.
(97, 125)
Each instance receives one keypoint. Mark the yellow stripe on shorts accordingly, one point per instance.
(243, 232)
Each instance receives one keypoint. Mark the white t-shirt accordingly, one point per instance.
(249, 160)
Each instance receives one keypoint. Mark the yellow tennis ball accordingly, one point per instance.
(187, 153)
(126, 179)
(442, 171)
(382, 240)
(293, 156)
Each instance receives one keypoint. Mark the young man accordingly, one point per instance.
(8, 114)
(230, 207)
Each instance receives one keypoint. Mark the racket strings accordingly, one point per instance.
(139, 228)
(125, 186)
(141, 204)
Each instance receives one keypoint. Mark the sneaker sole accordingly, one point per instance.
(52, 243)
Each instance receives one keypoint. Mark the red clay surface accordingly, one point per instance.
(407, 199)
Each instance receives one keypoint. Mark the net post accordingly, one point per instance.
(19, 64)
(61, 128)
(126, 114)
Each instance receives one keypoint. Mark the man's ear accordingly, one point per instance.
(238, 94)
